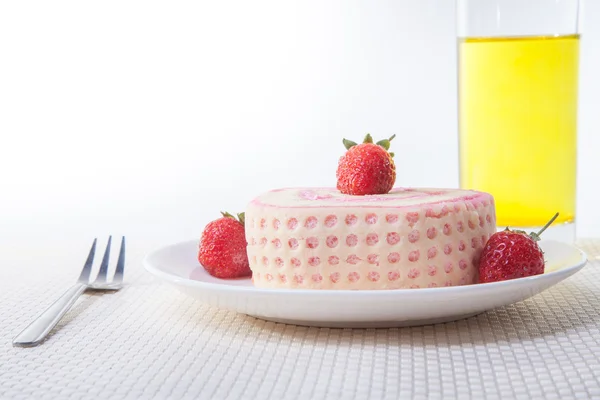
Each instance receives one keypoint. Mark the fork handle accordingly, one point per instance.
(35, 333)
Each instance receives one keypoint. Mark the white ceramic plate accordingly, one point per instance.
(177, 264)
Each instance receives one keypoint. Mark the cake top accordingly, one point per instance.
(398, 197)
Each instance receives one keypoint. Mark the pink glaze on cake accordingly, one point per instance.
(318, 238)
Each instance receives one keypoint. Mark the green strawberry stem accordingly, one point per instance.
(536, 236)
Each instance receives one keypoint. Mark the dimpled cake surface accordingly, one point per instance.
(319, 238)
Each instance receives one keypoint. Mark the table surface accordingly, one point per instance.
(150, 341)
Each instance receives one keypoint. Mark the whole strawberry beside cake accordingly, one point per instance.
(512, 254)
(222, 248)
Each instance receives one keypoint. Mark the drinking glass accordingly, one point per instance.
(517, 88)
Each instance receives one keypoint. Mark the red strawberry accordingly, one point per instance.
(223, 248)
(512, 254)
(366, 168)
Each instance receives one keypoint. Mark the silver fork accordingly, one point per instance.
(37, 331)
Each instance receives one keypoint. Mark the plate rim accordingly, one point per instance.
(561, 273)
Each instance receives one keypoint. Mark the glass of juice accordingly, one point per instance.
(517, 89)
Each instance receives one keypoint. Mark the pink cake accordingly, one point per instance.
(315, 238)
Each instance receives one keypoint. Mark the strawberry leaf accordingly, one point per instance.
(385, 143)
(348, 144)
(242, 218)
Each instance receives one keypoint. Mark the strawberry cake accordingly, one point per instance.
(319, 238)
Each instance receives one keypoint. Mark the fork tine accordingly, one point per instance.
(84, 277)
(104, 266)
(118, 278)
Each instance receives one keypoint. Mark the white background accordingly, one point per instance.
(147, 118)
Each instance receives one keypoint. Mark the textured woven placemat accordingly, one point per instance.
(149, 341)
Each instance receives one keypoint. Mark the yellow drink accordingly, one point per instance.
(518, 125)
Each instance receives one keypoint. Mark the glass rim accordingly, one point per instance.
(515, 18)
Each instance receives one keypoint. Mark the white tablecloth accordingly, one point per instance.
(149, 341)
